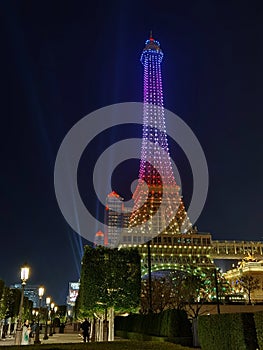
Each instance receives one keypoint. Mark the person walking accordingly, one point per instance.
(85, 326)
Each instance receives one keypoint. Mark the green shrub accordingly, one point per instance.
(185, 341)
(169, 323)
(227, 332)
(258, 317)
(117, 345)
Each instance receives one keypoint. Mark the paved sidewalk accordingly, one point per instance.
(55, 338)
(63, 338)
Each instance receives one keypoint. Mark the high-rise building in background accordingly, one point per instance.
(99, 239)
(115, 219)
(31, 292)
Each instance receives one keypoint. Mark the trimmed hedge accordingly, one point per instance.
(258, 317)
(169, 323)
(227, 332)
(139, 336)
(117, 345)
(185, 341)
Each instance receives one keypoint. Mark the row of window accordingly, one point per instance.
(169, 240)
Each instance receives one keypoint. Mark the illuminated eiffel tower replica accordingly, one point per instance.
(159, 215)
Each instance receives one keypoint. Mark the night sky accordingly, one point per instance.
(61, 60)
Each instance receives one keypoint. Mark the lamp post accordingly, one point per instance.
(55, 311)
(41, 291)
(69, 315)
(24, 277)
(52, 305)
(217, 294)
(48, 299)
(34, 314)
(150, 309)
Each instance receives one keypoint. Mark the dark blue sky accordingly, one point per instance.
(61, 60)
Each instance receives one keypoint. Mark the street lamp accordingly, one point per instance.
(217, 294)
(69, 314)
(150, 298)
(52, 305)
(55, 308)
(48, 299)
(41, 291)
(35, 314)
(24, 277)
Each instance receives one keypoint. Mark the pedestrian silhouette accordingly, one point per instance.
(85, 326)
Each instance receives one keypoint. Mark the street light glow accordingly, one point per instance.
(24, 274)
(41, 291)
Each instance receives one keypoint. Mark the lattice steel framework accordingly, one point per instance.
(158, 206)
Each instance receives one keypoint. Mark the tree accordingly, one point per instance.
(110, 280)
(3, 307)
(161, 291)
(249, 285)
(166, 293)
(14, 302)
(27, 308)
(2, 285)
(188, 290)
(199, 287)
(194, 293)
(61, 313)
(2, 301)
(9, 305)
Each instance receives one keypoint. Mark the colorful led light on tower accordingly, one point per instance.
(158, 207)
(153, 118)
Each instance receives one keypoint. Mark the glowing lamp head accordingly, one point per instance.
(24, 274)
(41, 291)
(48, 300)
